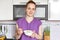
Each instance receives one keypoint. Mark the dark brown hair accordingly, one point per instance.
(30, 2)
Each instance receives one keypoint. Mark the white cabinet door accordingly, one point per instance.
(10, 31)
(18, 2)
(6, 10)
(43, 1)
(55, 31)
(54, 6)
(24, 1)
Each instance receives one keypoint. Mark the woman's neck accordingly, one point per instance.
(29, 19)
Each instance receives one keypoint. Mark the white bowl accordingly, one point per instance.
(28, 32)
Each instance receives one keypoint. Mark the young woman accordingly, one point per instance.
(29, 22)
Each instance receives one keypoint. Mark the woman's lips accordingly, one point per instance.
(30, 13)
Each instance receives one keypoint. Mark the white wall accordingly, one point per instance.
(6, 10)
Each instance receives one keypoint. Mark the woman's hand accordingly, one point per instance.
(19, 31)
(33, 35)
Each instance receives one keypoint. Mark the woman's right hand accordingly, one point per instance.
(19, 31)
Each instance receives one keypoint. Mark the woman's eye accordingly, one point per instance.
(33, 9)
(28, 8)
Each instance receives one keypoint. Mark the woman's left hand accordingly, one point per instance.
(33, 35)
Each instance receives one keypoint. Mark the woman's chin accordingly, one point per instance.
(30, 15)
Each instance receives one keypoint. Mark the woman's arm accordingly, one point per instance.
(40, 35)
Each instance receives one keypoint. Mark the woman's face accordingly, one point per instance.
(30, 9)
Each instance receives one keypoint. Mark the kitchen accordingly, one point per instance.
(7, 17)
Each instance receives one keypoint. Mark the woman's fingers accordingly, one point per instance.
(20, 31)
(33, 35)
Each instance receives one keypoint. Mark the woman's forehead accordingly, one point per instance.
(31, 5)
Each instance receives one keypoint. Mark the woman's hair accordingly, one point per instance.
(30, 2)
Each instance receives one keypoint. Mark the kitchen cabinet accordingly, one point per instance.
(6, 10)
(55, 30)
(40, 2)
(54, 9)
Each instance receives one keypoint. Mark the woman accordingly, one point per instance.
(29, 23)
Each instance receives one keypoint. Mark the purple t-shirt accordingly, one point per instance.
(33, 25)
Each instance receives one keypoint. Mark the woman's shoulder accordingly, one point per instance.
(20, 19)
(38, 21)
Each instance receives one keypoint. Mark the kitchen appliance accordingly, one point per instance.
(41, 12)
(0, 30)
(3, 30)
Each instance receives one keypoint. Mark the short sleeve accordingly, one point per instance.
(18, 22)
(39, 23)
